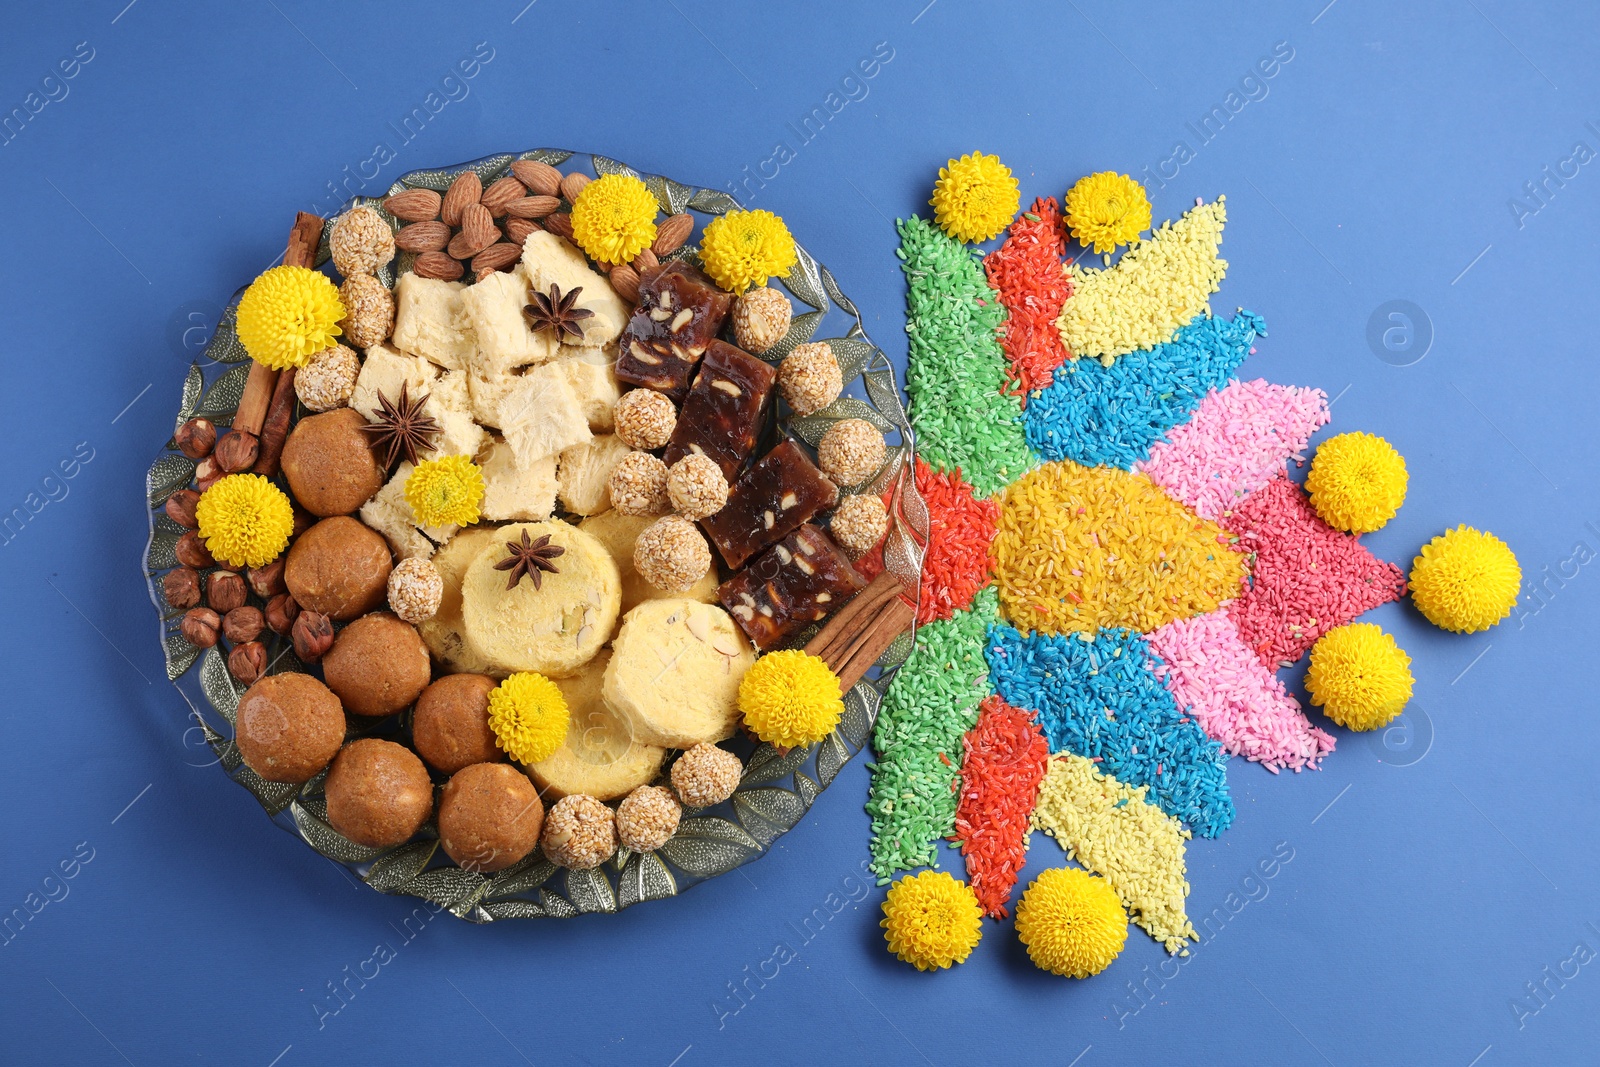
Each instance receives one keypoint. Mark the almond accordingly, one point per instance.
(501, 193)
(560, 225)
(541, 178)
(436, 265)
(414, 205)
(429, 236)
(672, 233)
(462, 248)
(533, 207)
(518, 229)
(478, 230)
(645, 260)
(496, 257)
(573, 184)
(625, 280)
(466, 189)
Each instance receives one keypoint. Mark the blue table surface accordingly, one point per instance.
(1438, 902)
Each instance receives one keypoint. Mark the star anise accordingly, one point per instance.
(553, 311)
(402, 427)
(531, 558)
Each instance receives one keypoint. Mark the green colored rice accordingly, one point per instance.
(957, 368)
(930, 706)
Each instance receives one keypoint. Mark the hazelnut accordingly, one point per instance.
(196, 438)
(248, 661)
(237, 451)
(207, 473)
(225, 591)
(267, 581)
(180, 508)
(243, 624)
(281, 612)
(312, 634)
(199, 627)
(182, 587)
(192, 552)
(303, 521)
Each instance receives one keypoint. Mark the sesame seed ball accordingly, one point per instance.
(645, 419)
(368, 311)
(638, 485)
(647, 818)
(706, 775)
(671, 554)
(760, 319)
(696, 486)
(361, 242)
(809, 377)
(859, 523)
(329, 380)
(579, 833)
(415, 589)
(851, 451)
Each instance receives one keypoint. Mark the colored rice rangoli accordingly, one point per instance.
(1118, 565)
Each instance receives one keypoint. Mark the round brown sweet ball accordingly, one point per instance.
(490, 816)
(377, 665)
(379, 793)
(330, 464)
(450, 724)
(288, 727)
(338, 568)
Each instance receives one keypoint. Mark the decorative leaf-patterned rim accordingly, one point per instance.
(776, 789)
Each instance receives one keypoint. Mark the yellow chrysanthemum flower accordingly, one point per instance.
(529, 717)
(745, 248)
(1357, 482)
(288, 315)
(1465, 580)
(1106, 210)
(614, 218)
(790, 698)
(931, 920)
(445, 492)
(245, 520)
(1359, 676)
(1071, 922)
(975, 197)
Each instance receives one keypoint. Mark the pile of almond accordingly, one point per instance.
(477, 229)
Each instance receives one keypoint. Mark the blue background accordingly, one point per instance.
(1435, 870)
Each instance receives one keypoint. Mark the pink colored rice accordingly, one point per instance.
(1237, 440)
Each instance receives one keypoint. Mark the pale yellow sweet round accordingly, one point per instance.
(619, 533)
(675, 671)
(599, 756)
(445, 633)
(554, 629)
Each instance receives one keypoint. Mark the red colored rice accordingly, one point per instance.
(1027, 273)
(1307, 577)
(956, 562)
(1006, 758)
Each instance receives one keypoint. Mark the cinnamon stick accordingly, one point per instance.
(261, 385)
(886, 627)
(849, 620)
(275, 429)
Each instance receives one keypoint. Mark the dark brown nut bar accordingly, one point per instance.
(770, 501)
(680, 311)
(800, 580)
(725, 410)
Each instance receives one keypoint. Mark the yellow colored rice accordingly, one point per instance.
(1111, 829)
(1157, 286)
(1080, 548)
